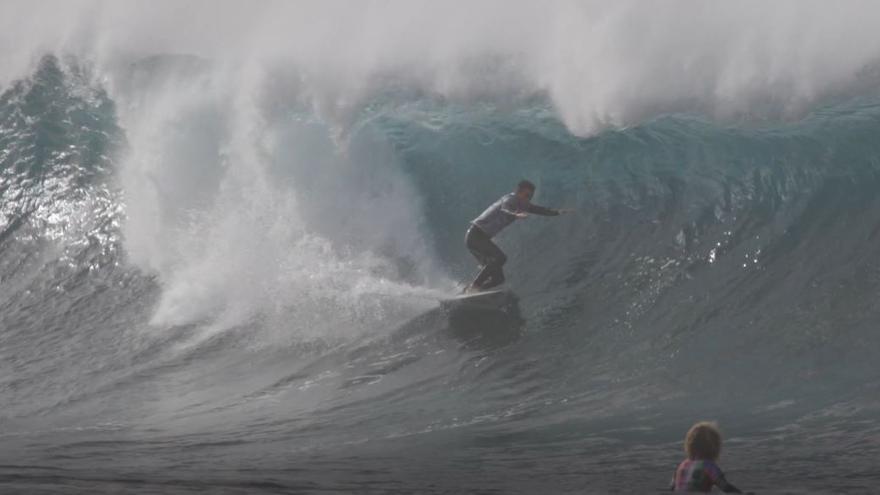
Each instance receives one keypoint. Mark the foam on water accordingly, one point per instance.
(225, 228)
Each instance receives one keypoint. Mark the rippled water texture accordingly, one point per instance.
(218, 278)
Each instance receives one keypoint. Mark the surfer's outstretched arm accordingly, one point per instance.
(541, 210)
(547, 212)
(726, 487)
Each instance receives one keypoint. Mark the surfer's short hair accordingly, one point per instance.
(525, 184)
(703, 441)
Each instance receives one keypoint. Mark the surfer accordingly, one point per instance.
(499, 215)
(699, 472)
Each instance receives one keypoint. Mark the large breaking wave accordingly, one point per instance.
(215, 269)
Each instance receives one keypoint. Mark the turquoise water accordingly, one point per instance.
(181, 312)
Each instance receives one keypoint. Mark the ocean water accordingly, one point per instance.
(225, 230)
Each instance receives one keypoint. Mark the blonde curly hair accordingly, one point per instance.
(703, 441)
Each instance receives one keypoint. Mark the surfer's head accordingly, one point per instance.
(703, 441)
(525, 189)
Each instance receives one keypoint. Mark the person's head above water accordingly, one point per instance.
(525, 190)
(703, 442)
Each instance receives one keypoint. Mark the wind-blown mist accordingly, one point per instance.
(225, 228)
(219, 204)
(601, 63)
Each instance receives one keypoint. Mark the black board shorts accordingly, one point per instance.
(481, 246)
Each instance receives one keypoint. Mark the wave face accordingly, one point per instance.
(219, 278)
